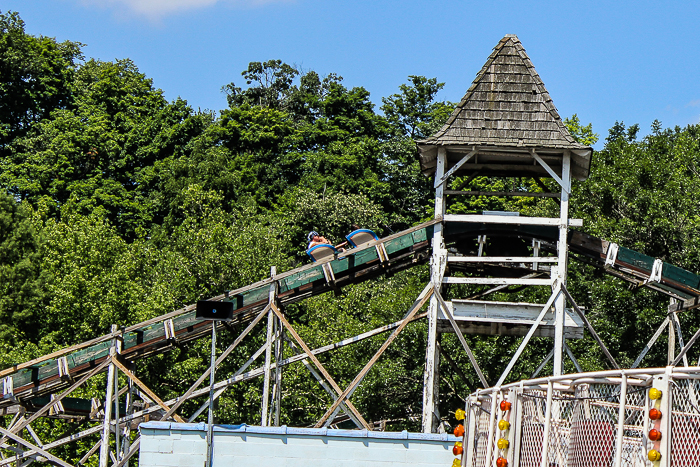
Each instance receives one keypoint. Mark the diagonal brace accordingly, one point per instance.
(461, 338)
(590, 327)
(417, 305)
(550, 171)
(529, 334)
(325, 385)
(145, 388)
(20, 426)
(318, 364)
(51, 458)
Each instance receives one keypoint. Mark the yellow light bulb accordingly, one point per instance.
(456, 463)
(503, 425)
(654, 455)
(655, 394)
(502, 443)
(459, 414)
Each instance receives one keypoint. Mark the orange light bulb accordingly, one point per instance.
(655, 414)
(501, 462)
(457, 450)
(654, 435)
(505, 405)
(459, 431)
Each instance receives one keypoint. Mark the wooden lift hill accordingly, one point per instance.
(505, 126)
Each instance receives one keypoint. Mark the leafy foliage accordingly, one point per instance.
(118, 206)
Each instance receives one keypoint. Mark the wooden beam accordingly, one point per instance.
(446, 312)
(225, 354)
(20, 426)
(34, 449)
(526, 339)
(590, 327)
(454, 168)
(549, 170)
(145, 389)
(495, 281)
(427, 293)
(325, 385)
(510, 220)
(502, 259)
(318, 364)
(526, 194)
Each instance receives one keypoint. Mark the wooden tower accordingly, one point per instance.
(505, 126)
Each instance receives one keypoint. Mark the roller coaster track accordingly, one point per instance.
(29, 384)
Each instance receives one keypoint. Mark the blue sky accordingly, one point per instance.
(630, 61)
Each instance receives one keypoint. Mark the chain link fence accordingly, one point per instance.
(584, 425)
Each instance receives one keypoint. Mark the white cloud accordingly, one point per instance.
(695, 103)
(155, 9)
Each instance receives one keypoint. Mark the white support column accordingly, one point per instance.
(517, 426)
(562, 266)
(437, 268)
(671, 341)
(470, 426)
(277, 387)
(268, 352)
(111, 374)
(126, 444)
(621, 421)
(491, 437)
(547, 425)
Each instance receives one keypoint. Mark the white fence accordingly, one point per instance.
(622, 418)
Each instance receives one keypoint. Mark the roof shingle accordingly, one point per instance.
(507, 106)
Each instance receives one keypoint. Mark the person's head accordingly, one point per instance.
(310, 237)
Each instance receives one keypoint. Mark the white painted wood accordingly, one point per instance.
(511, 220)
(277, 388)
(561, 270)
(506, 312)
(621, 421)
(445, 311)
(651, 342)
(526, 339)
(502, 259)
(571, 354)
(437, 268)
(268, 360)
(495, 281)
(464, 160)
(111, 374)
(551, 172)
(547, 425)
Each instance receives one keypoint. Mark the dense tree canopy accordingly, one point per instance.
(117, 206)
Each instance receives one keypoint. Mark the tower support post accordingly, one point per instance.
(431, 393)
(562, 250)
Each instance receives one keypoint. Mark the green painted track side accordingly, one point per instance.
(406, 249)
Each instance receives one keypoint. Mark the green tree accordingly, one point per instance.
(415, 112)
(22, 290)
(35, 77)
(96, 153)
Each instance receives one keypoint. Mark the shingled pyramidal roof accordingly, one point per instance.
(506, 115)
